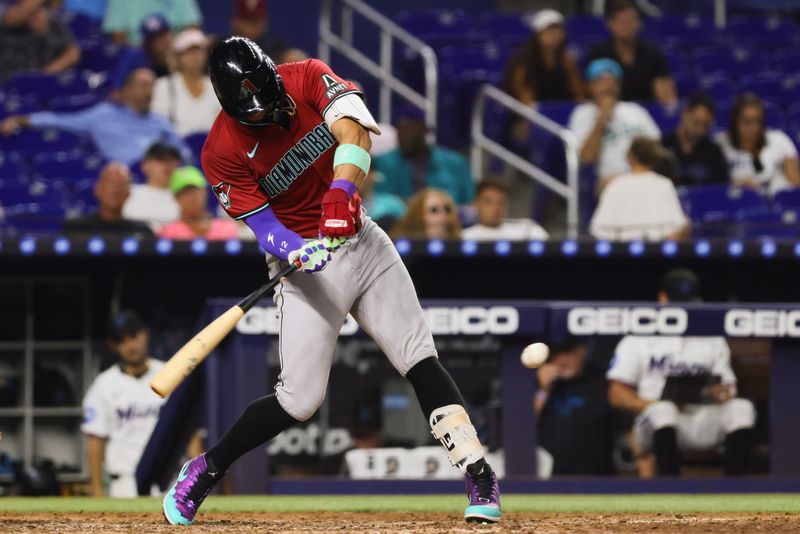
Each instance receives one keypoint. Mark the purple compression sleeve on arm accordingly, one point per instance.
(273, 236)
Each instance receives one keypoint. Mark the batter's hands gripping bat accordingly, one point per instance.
(195, 351)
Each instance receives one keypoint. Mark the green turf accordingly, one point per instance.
(428, 503)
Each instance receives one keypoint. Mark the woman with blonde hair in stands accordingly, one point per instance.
(431, 214)
(641, 204)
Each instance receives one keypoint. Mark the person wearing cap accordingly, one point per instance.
(119, 409)
(664, 426)
(646, 71)
(111, 190)
(189, 187)
(543, 69)
(122, 131)
(152, 202)
(187, 97)
(415, 164)
(641, 204)
(604, 127)
(250, 20)
(574, 419)
(155, 52)
(124, 18)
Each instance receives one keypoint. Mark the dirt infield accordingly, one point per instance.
(427, 523)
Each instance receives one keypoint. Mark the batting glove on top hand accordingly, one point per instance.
(337, 219)
(315, 255)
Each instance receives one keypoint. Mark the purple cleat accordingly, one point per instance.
(194, 483)
(483, 493)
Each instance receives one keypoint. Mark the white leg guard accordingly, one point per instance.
(451, 425)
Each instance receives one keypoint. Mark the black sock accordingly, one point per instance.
(737, 452)
(433, 385)
(262, 420)
(665, 447)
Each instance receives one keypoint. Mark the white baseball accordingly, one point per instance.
(535, 355)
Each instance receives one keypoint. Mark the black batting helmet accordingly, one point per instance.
(246, 81)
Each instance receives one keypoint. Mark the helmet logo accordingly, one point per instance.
(247, 89)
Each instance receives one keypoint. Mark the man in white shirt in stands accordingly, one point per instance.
(152, 202)
(491, 203)
(664, 426)
(120, 410)
(605, 126)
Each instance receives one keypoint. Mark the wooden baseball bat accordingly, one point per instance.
(195, 351)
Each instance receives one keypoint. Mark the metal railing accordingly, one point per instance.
(382, 70)
(481, 143)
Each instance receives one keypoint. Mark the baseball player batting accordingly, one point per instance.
(287, 156)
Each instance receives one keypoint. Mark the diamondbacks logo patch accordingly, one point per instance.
(247, 89)
(222, 190)
(332, 85)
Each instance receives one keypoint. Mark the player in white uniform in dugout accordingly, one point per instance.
(119, 410)
(638, 375)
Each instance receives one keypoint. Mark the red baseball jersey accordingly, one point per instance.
(253, 167)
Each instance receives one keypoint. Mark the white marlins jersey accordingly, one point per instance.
(645, 362)
(125, 410)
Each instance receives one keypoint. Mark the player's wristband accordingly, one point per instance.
(346, 185)
(352, 154)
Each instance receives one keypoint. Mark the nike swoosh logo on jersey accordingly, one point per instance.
(253, 152)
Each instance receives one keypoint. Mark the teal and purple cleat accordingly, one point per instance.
(194, 483)
(483, 493)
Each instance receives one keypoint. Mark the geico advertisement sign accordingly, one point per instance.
(762, 323)
(469, 320)
(586, 321)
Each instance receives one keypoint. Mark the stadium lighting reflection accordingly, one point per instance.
(636, 248)
(233, 247)
(669, 248)
(164, 246)
(27, 246)
(569, 248)
(199, 246)
(435, 247)
(502, 248)
(602, 248)
(797, 250)
(536, 248)
(61, 246)
(469, 247)
(403, 246)
(735, 249)
(702, 248)
(96, 245)
(768, 248)
(130, 246)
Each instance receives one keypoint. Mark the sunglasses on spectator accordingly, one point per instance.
(438, 209)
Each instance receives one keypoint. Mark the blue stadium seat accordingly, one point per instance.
(731, 62)
(34, 218)
(586, 29)
(665, 117)
(494, 25)
(767, 222)
(773, 88)
(718, 87)
(83, 27)
(82, 199)
(680, 28)
(12, 168)
(764, 32)
(455, 60)
(195, 143)
(99, 57)
(17, 105)
(788, 199)
(557, 111)
(41, 193)
(437, 26)
(47, 86)
(714, 203)
(66, 167)
(31, 142)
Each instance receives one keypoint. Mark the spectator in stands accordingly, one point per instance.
(33, 37)
(604, 127)
(415, 164)
(646, 71)
(384, 208)
(94, 9)
(124, 17)
(431, 214)
(187, 97)
(641, 204)
(154, 54)
(250, 20)
(152, 202)
(571, 403)
(758, 157)
(699, 160)
(112, 190)
(121, 132)
(191, 191)
(543, 69)
(491, 202)
(120, 411)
